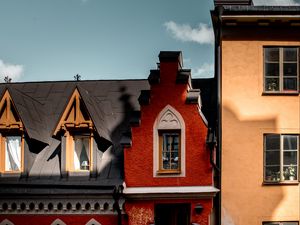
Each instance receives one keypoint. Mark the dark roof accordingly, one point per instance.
(260, 10)
(40, 105)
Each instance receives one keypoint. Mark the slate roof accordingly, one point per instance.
(112, 104)
(40, 106)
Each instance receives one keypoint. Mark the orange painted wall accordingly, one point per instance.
(139, 158)
(246, 115)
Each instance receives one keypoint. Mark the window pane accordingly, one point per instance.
(81, 153)
(290, 84)
(290, 223)
(272, 84)
(290, 54)
(272, 54)
(271, 69)
(272, 158)
(13, 153)
(290, 158)
(290, 142)
(272, 142)
(170, 157)
(290, 172)
(290, 69)
(272, 173)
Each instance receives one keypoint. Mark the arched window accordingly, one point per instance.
(169, 143)
(58, 222)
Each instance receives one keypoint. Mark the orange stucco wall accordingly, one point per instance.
(246, 116)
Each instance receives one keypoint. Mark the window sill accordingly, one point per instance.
(280, 93)
(167, 172)
(79, 173)
(294, 182)
(11, 174)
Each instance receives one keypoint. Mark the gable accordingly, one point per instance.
(75, 114)
(9, 118)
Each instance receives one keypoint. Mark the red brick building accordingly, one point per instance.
(108, 152)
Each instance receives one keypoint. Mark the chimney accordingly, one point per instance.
(233, 2)
(171, 56)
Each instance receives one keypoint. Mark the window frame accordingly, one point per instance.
(281, 71)
(161, 170)
(70, 150)
(280, 222)
(3, 138)
(281, 159)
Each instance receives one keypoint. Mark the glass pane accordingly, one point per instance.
(290, 142)
(290, 223)
(272, 142)
(170, 158)
(290, 54)
(13, 153)
(272, 54)
(272, 84)
(272, 158)
(290, 69)
(82, 153)
(290, 84)
(290, 172)
(272, 173)
(290, 158)
(271, 69)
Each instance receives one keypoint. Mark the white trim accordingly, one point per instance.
(171, 192)
(6, 222)
(58, 222)
(93, 222)
(160, 123)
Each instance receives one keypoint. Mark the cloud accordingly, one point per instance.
(204, 71)
(203, 34)
(13, 71)
(276, 2)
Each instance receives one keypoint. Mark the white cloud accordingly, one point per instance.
(11, 70)
(203, 34)
(276, 2)
(204, 71)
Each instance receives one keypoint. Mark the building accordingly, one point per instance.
(107, 152)
(257, 67)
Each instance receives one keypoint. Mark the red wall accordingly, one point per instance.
(139, 159)
(68, 219)
(142, 212)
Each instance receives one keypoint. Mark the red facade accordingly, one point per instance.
(139, 158)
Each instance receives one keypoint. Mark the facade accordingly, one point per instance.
(257, 66)
(107, 152)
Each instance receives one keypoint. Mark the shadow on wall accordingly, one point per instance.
(245, 197)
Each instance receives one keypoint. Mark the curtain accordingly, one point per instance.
(13, 153)
(81, 153)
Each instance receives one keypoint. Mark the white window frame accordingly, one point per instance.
(167, 120)
(281, 163)
(281, 71)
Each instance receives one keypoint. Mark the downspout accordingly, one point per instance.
(117, 193)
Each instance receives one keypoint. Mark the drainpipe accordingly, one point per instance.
(118, 191)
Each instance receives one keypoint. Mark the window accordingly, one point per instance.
(11, 137)
(169, 151)
(169, 144)
(77, 129)
(281, 70)
(81, 153)
(280, 223)
(281, 157)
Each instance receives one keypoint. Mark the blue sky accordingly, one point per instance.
(103, 39)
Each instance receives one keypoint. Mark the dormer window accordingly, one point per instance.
(11, 137)
(169, 144)
(77, 129)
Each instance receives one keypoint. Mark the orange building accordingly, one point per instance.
(257, 67)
